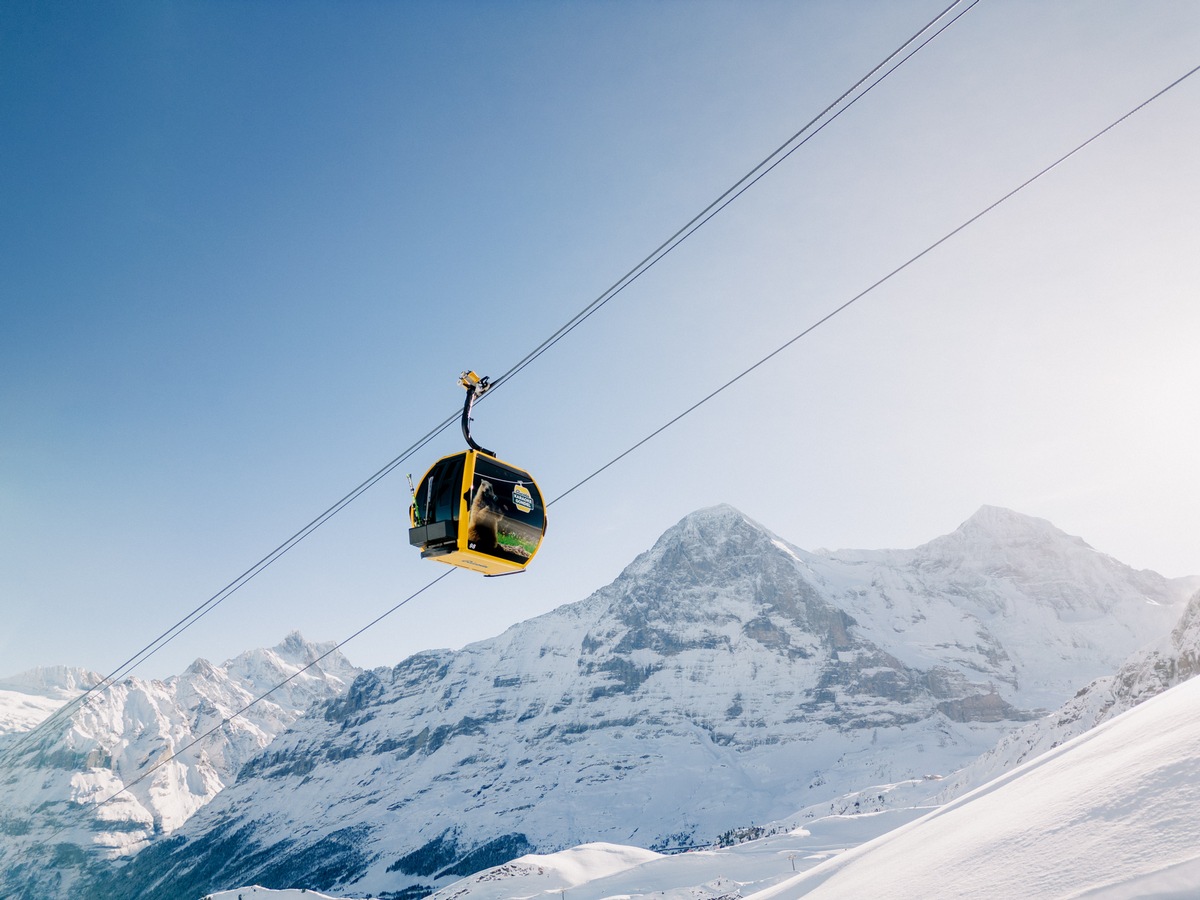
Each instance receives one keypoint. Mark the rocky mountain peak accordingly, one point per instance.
(200, 668)
(712, 580)
(295, 648)
(263, 668)
(996, 529)
(701, 538)
(715, 519)
(1186, 635)
(1067, 574)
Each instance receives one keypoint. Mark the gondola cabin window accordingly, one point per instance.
(437, 497)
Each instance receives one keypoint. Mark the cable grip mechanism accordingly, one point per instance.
(476, 388)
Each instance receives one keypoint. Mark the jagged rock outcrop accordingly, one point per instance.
(725, 677)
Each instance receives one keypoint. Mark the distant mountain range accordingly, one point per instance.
(726, 677)
(52, 833)
(31, 697)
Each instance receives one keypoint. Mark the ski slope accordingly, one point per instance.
(1110, 814)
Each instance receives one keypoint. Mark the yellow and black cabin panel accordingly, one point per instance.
(473, 511)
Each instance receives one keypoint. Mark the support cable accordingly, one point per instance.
(811, 129)
(894, 272)
(218, 598)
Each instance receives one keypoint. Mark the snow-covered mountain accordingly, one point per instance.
(31, 697)
(1147, 673)
(55, 780)
(726, 677)
(1012, 594)
(1109, 814)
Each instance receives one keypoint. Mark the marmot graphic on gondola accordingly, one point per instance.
(486, 514)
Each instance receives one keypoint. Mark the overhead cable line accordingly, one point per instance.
(811, 129)
(229, 718)
(894, 272)
(216, 599)
(878, 283)
(848, 98)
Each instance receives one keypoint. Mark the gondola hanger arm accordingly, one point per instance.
(476, 387)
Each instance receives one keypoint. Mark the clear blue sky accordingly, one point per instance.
(246, 249)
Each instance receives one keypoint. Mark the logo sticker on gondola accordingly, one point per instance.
(522, 499)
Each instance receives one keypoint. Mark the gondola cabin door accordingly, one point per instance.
(474, 511)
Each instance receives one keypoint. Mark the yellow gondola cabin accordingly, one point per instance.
(475, 511)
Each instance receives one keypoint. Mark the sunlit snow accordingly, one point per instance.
(1108, 815)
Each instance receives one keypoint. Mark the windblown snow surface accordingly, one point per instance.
(1111, 814)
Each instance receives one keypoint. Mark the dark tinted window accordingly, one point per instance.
(439, 492)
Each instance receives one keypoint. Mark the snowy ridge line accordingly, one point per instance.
(130, 726)
(225, 721)
(698, 221)
(28, 698)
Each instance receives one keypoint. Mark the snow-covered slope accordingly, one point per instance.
(726, 677)
(815, 834)
(54, 780)
(1147, 673)
(1110, 814)
(261, 893)
(555, 873)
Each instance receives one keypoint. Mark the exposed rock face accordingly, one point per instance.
(725, 677)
